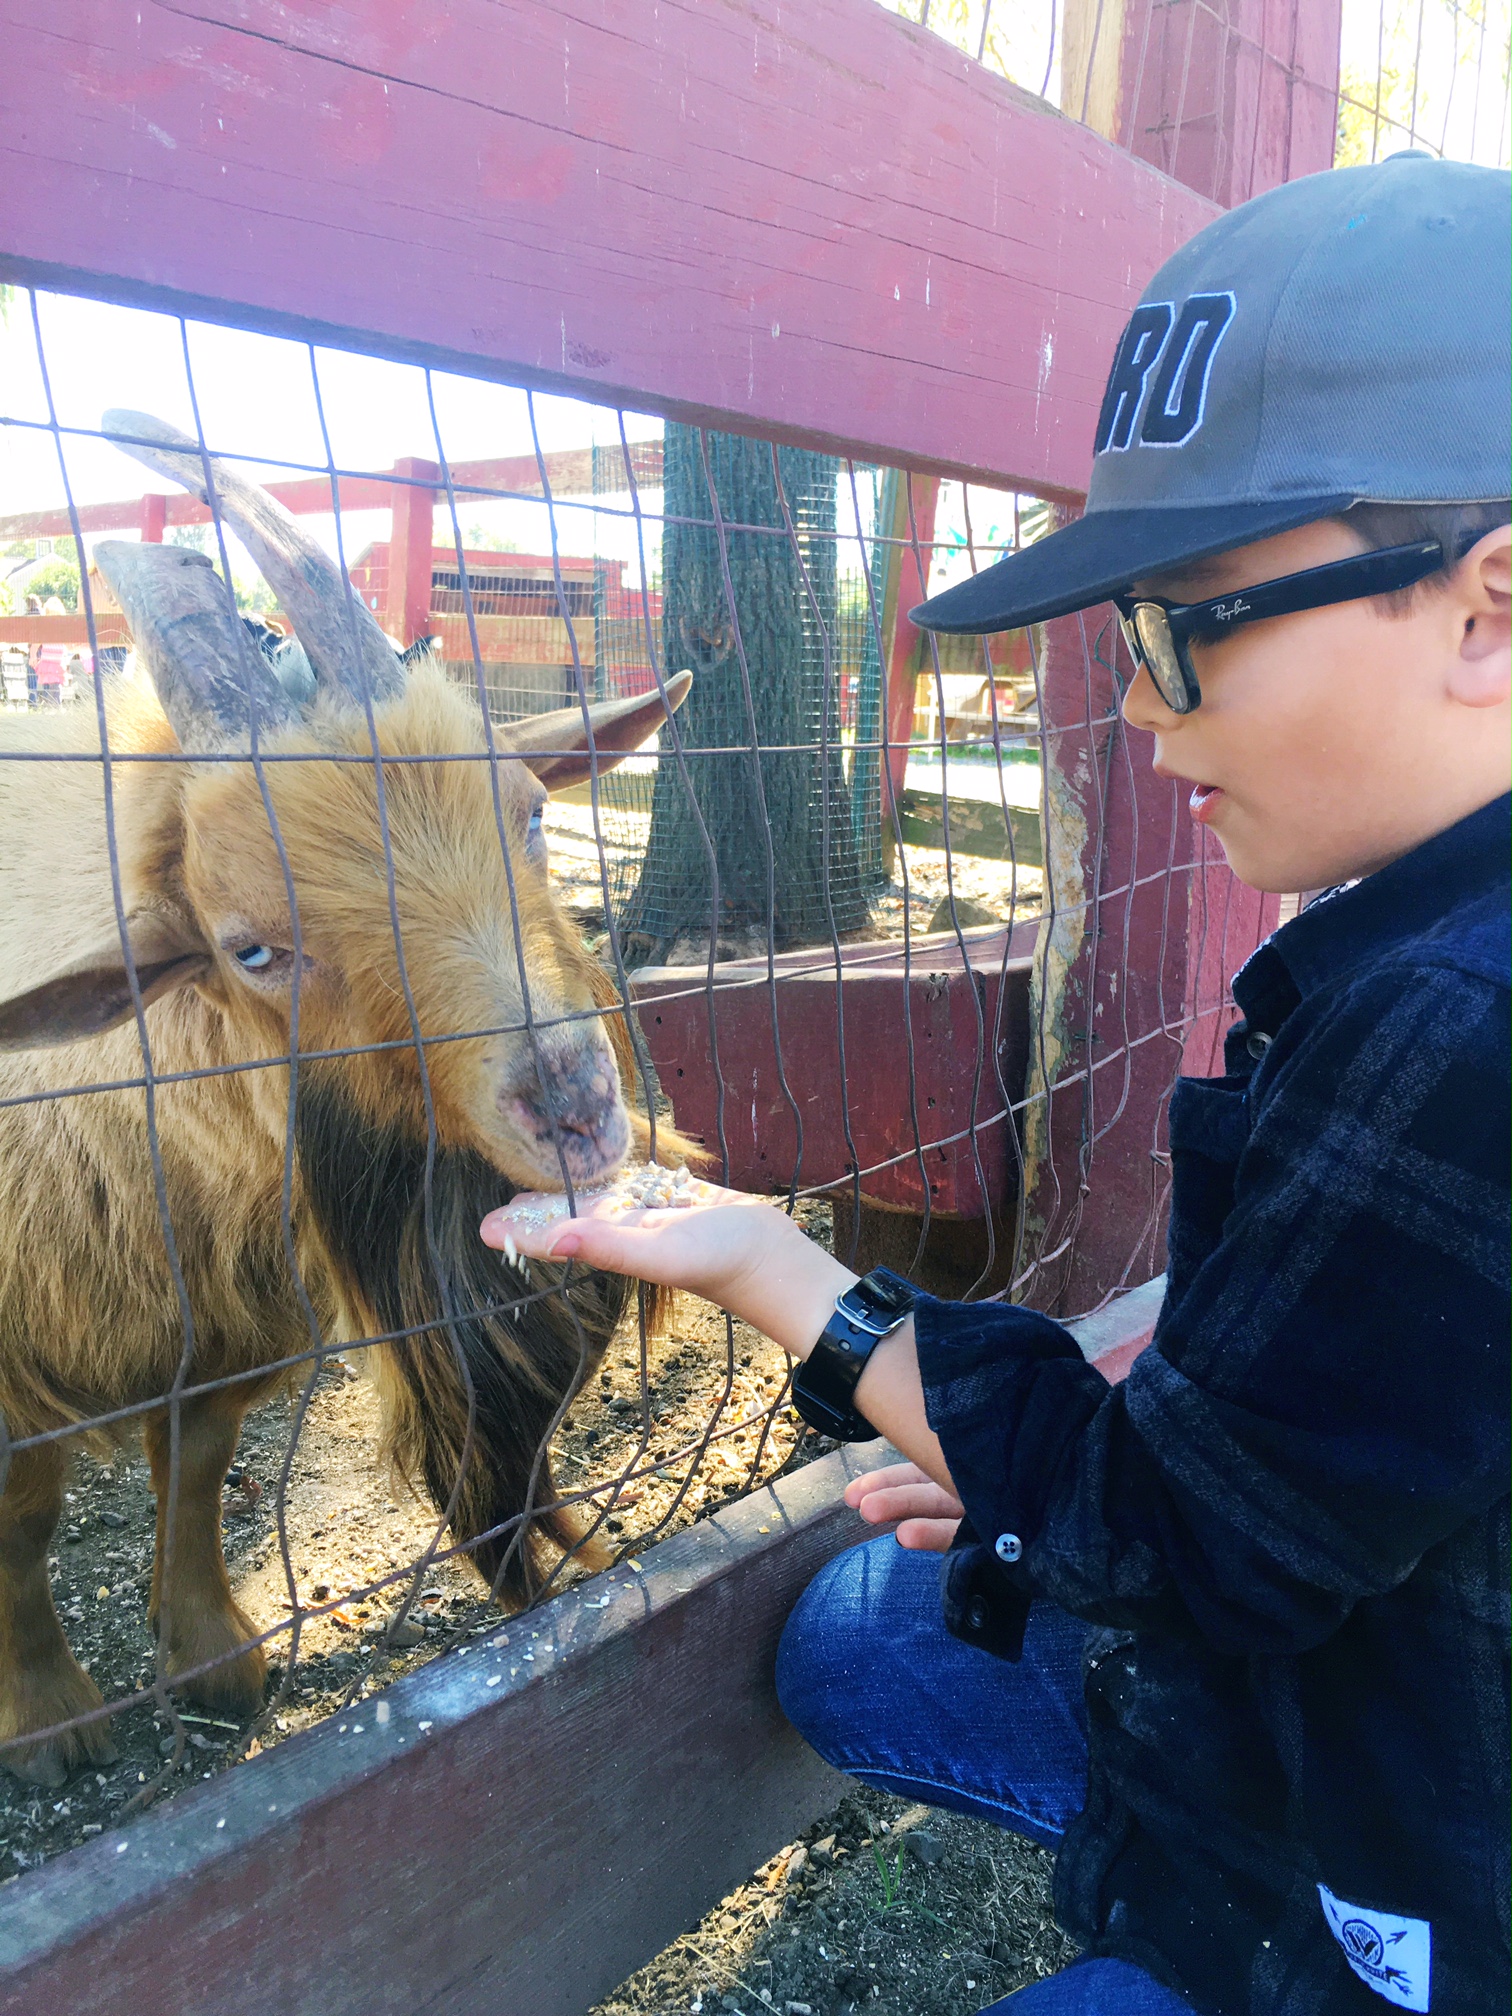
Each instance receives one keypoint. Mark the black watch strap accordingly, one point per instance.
(825, 1383)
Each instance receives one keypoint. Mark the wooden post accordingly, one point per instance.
(1230, 105)
(1133, 964)
(154, 517)
(406, 613)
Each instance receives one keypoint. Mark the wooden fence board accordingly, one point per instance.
(970, 1042)
(820, 222)
(515, 1848)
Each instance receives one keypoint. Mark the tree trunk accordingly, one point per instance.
(748, 603)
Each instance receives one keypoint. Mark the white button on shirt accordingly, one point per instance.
(1009, 1548)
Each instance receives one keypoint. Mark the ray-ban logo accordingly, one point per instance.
(1225, 612)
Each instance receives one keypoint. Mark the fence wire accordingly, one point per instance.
(898, 931)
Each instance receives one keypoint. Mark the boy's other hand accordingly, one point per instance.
(928, 1515)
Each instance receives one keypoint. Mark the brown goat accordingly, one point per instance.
(383, 1210)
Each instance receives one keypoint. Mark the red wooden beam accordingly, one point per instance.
(821, 222)
(569, 472)
(110, 628)
(1229, 102)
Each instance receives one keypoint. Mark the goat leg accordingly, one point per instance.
(41, 1683)
(198, 1621)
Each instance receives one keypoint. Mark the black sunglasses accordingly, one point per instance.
(1158, 633)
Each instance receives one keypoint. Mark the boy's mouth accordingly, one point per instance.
(1203, 802)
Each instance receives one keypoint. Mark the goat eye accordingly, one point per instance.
(535, 827)
(253, 958)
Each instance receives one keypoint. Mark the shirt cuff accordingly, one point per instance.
(1006, 1390)
(983, 1606)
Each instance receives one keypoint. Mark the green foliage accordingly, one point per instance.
(56, 576)
(891, 1873)
(255, 597)
(1375, 112)
(478, 538)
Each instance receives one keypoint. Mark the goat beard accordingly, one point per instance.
(479, 1365)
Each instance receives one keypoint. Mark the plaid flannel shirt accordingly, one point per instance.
(1289, 1527)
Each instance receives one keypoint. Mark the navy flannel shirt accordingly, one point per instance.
(1289, 1527)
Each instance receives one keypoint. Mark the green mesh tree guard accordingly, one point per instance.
(755, 620)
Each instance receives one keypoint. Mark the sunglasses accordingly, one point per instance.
(1159, 634)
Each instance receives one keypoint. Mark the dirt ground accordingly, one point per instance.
(990, 890)
(354, 1536)
(881, 1907)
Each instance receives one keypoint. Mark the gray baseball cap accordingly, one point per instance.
(1344, 338)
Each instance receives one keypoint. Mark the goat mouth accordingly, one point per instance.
(590, 1148)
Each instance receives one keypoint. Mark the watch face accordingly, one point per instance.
(887, 1292)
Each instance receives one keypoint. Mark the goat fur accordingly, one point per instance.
(90, 1320)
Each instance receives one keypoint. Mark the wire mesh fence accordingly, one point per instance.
(304, 970)
(399, 869)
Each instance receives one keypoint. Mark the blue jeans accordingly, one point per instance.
(869, 1675)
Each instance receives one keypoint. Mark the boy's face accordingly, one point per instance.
(1331, 742)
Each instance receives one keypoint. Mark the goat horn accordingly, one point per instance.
(327, 613)
(208, 673)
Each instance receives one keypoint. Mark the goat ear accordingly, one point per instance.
(619, 728)
(94, 994)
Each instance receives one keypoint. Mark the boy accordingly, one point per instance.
(1250, 1608)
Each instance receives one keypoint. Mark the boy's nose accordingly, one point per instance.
(1142, 704)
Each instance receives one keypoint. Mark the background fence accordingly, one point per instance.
(699, 341)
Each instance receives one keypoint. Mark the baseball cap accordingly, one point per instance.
(1342, 339)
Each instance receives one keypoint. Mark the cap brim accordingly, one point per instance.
(1103, 553)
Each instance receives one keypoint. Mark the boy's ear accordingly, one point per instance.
(94, 994)
(619, 728)
(1482, 675)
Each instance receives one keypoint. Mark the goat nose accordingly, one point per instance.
(577, 1087)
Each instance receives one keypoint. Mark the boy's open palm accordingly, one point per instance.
(749, 1257)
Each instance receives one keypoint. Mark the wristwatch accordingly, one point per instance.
(825, 1381)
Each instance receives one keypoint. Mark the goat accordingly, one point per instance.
(383, 1209)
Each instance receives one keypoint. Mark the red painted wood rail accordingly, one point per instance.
(820, 222)
(569, 471)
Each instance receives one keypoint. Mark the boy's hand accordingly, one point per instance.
(736, 1250)
(928, 1514)
(753, 1260)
